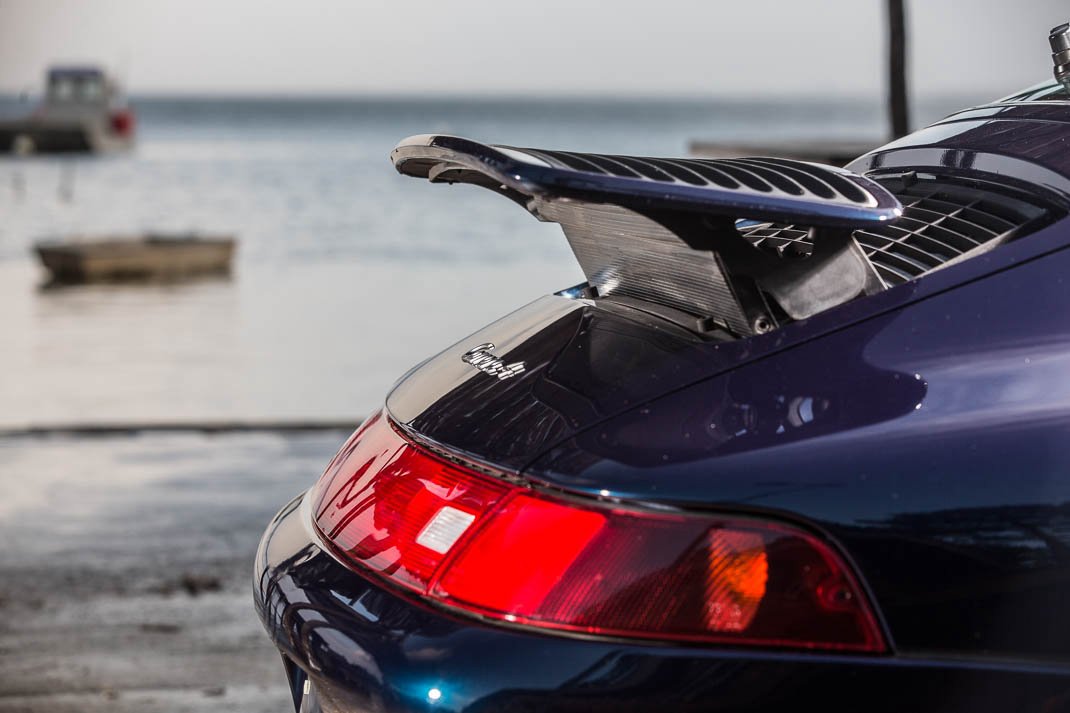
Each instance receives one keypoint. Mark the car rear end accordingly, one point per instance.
(596, 504)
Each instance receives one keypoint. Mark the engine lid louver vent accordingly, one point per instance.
(944, 221)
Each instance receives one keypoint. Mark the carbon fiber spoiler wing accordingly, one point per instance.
(662, 232)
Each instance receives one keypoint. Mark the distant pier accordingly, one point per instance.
(833, 153)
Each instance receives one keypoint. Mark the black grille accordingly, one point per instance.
(766, 175)
(942, 221)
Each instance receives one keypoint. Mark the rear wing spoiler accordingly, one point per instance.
(663, 231)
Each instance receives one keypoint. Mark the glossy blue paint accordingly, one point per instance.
(367, 648)
(932, 441)
(871, 419)
(587, 362)
(925, 429)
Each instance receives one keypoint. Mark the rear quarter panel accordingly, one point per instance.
(932, 442)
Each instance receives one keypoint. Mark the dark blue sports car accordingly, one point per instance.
(800, 442)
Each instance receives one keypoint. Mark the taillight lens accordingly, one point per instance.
(122, 122)
(392, 508)
(499, 550)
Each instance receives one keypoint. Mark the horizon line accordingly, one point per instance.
(485, 95)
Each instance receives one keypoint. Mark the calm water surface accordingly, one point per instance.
(347, 273)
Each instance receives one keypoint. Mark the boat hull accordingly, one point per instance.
(35, 136)
(153, 258)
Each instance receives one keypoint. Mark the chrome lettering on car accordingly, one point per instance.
(481, 358)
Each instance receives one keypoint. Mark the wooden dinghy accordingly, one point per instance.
(147, 257)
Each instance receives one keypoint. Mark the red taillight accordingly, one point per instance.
(520, 556)
(394, 509)
(488, 547)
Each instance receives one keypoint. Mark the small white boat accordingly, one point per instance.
(83, 111)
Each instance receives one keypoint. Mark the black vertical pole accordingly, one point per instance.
(898, 107)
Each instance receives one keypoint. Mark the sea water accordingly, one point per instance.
(346, 274)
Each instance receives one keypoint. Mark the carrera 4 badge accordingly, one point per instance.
(481, 358)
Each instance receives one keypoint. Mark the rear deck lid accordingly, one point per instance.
(554, 367)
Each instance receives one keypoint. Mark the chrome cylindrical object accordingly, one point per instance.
(1060, 53)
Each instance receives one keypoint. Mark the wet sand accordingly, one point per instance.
(126, 566)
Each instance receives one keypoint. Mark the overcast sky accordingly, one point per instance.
(982, 48)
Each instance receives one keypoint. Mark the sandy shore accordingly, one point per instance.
(124, 583)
